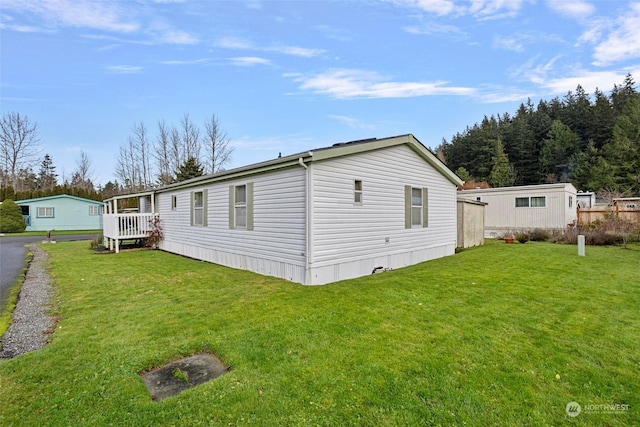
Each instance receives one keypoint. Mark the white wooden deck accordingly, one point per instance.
(128, 226)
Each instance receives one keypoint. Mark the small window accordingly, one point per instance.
(522, 202)
(538, 202)
(478, 199)
(198, 208)
(570, 201)
(95, 210)
(45, 212)
(416, 206)
(174, 203)
(357, 192)
(241, 206)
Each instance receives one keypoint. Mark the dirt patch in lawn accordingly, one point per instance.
(182, 374)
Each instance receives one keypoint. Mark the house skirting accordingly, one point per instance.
(318, 274)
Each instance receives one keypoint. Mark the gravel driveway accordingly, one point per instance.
(31, 325)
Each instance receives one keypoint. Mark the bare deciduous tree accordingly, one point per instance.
(163, 154)
(217, 145)
(82, 177)
(190, 138)
(18, 145)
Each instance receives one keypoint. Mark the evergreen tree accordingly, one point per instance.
(557, 149)
(11, 220)
(502, 174)
(601, 128)
(191, 168)
(47, 177)
(589, 171)
(623, 152)
(521, 148)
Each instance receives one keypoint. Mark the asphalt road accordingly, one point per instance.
(13, 254)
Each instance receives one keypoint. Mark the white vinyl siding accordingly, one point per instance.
(343, 232)
(275, 247)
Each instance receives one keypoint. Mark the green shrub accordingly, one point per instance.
(11, 220)
(522, 237)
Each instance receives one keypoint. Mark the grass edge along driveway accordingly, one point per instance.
(495, 335)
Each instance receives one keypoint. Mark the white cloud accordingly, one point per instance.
(589, 80)
(295, 51)
(242, 44)
(247, 61)
(347, 84)
(491, 9)
(76, 13)
(352, 122)
(430, 28)
(124, 69)
(170, 36)
(623, 43)
(187, 62)
(572, 8)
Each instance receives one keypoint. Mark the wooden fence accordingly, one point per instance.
(586, 216)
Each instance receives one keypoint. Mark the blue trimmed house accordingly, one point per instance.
(61, 212)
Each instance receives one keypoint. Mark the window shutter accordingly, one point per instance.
(232, 206)
(407, 206)
(249, 205)
(425, 207)
(191, 204)
(204, 207)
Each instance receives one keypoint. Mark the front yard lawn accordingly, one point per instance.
(496, 335)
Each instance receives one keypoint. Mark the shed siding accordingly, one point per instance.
(350, 240)
(275, 246)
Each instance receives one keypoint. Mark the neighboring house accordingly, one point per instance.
(586, 199)
(61, 212)
(509, 209)
(315, 217)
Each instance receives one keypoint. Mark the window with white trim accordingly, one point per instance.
(416, 207)
(174, 203)
(357, 192)
(44, 212)
(570, 201)
(199, 208)
(95, 210)
(240, 206)
(531, 202)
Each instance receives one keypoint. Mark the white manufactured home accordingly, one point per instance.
(315, 217)
(546, 206)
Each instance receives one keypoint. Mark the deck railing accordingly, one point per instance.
(127, 226)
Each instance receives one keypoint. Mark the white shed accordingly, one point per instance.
(316, 217)
(546, 206)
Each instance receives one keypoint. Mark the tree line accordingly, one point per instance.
(591, 141)
(174, 154)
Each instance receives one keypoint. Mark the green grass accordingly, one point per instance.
(497, 335)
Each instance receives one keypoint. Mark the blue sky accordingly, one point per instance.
(296, 75)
